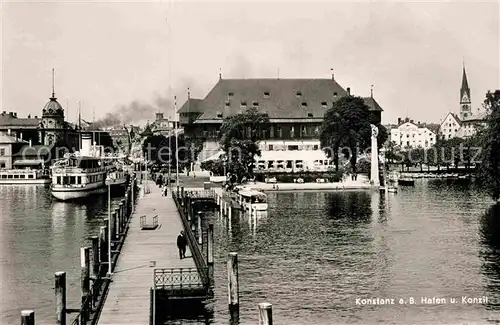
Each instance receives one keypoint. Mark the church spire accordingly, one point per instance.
(465, 84)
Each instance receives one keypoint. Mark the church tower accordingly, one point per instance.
(52, 122)
(465, 100)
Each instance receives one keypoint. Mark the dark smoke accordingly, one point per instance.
(128, 114)
(139, 111)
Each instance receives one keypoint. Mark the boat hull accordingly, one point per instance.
(258, 207)
(66, 194)
(406, 182)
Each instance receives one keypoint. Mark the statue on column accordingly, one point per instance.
(374, 131)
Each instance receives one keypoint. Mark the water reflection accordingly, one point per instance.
(490, 237)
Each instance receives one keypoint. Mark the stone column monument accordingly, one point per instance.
(374, 175)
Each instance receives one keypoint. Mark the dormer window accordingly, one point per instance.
(255, 104)
(323, 104)
(304, 104)
(266, 94)
(299, 93)
(243, 104)
(228, 103)
(219, 114)
(309, 115)
(231, 94)
(335, 94)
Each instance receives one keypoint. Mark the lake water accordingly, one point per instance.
(311, 256)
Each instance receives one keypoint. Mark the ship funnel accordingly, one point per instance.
(86, 145)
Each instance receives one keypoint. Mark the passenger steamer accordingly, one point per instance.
(117, 174)
(79, 175)
(24, 177)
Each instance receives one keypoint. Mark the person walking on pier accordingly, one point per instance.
(181, 244)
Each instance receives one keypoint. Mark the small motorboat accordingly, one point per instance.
(406, 181)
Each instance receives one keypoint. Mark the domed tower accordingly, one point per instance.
(52, 120)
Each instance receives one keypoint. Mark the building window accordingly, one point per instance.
(231, 94)
(2, 152)
(315, 147)
(304, 104)
(266, 94)
(228, 103)
(271, 147)
(243, 103)
(323, 104)
(292, 132)
(280, 132)
(271, 131)
(219, 114)
(309, 115)
(255, 104)
(335, 94)
(304, 130)
(299, 93)
(293, 147)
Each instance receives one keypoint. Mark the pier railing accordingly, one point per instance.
(181, 277)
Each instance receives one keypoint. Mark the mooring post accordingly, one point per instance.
(182, 191)
(85, 282)
(95, 256)
(60, 290)
(229, 212)
(118, 223)
(108, 246)
(210, 252)
(113, 230)
(123, 218)
(103, 248)
(265, 314)
(232, 277)
(199, 232)
(189, 211)
(28, 317)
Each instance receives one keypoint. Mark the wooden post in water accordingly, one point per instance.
(60, 290)
(95, 255)
(265, 314)
(233, 288)
(119, 222)
(182, 191)
(106, 241)
(113, 229)
(232, 279)
(85, 282)
(199, 232)
(28, 317)
(103, 248)
(210, 252)
(123, 219)
(229, 212)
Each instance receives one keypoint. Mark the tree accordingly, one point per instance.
(239, 137)
(346, 128)
(489, 172)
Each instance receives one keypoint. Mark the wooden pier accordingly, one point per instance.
(128, 299)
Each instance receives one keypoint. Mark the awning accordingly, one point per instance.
(215, 157)
(27, 162)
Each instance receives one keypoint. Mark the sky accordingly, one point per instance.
(131, 58)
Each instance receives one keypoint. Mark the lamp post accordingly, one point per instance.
(224, 163)
(108, 180)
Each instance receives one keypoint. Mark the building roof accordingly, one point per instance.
(7, 139)
(53, 108)
(432, 127)
(372, 104)
(279, 98)
(455, 116)
(11, 120)
(476, 117)
(36, 150)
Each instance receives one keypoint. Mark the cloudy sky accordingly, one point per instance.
(126, 56)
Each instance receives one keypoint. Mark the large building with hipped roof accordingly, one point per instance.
(295, 107)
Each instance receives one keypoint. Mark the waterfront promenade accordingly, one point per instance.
(128, 299)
